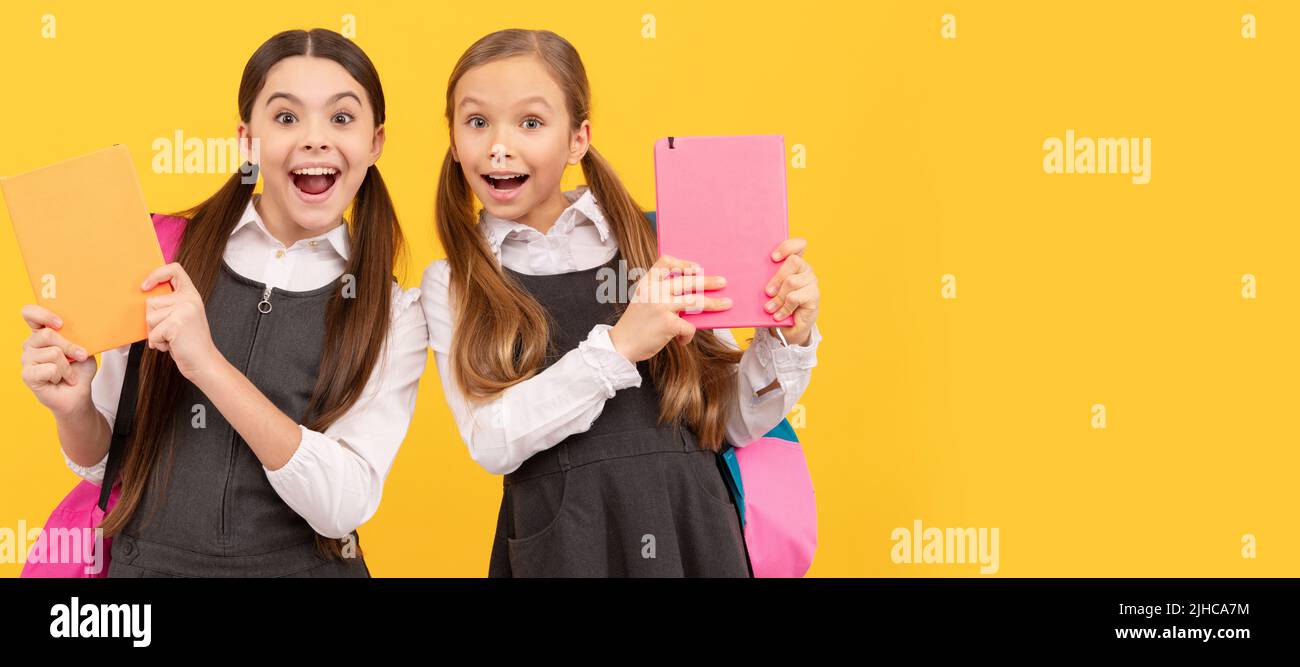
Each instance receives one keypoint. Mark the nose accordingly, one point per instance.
(315, 144)
(314, 137)
(499, 155)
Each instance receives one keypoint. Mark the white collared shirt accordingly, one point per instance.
(335, 479)
(568, 396)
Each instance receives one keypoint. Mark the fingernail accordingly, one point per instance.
(771, 290)
(776, 255)
(726, 302)
(722, 281)
(771, 306)
(58, 322)
(81, 354)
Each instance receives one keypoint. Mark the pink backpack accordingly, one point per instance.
(773, 489)
(67, 546)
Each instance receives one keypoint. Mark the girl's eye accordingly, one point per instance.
(285, 118)
(532, 124)
(345, 116)
(477, 122)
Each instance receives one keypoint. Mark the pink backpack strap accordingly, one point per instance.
(169, 229)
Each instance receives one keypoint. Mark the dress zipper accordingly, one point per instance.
(263, 307)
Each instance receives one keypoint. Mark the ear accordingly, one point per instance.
(247, 145)
(455, 157)
(580, 142)
(377, 145)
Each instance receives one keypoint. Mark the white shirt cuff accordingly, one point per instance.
(788, 358)
(295, 467)
(93, 473)
(615, 370)
(298, 483)
(790, 365)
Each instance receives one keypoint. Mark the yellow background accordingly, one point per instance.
(924, 157)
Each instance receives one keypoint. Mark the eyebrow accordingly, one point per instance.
(526, 100)
(293, 99)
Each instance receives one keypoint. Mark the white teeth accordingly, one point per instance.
(315, 171)
(503, 178)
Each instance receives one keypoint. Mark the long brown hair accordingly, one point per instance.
(355, 327)
(502, 331)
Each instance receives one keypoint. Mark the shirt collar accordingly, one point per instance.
(337, 237)
(582, 206)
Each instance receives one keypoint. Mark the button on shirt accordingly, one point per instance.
(502, 433)
(335, 479)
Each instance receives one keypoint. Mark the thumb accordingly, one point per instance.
(85, 370)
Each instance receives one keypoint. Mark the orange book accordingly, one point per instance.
(88, 243)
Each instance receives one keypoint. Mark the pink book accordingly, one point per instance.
(721, 202)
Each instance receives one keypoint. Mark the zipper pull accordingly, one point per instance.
(264, 306)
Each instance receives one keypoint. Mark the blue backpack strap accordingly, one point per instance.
(783, 431)
(731, 470)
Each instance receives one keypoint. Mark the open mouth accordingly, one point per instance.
(505, 182)
(314, 181)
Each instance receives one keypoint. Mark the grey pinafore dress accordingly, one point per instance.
(626, 498)
(208, 509)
